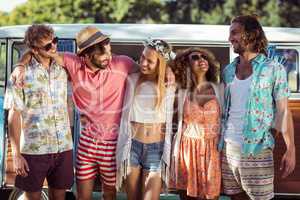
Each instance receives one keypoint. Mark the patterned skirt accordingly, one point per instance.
(199, 167)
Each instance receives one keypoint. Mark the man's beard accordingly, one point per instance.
(98, 64)
(239, 50)
(241, 47)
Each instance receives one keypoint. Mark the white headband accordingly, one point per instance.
(159, 46)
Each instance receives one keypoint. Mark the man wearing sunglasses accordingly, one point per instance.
(49, 45)
(38, 121)
(98, 81)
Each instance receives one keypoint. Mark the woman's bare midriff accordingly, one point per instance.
(148, 132)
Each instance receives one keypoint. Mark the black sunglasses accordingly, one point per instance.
(48, 46)
(198, 57)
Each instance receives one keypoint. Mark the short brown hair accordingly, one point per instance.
(181, 66)
(35, 33)
(253, 32)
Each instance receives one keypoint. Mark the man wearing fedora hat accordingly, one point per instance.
(98, 82)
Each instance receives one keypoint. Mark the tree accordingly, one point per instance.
(3, 18)
(46, 11)
(290, 12)
(271, 12)
(101, 11)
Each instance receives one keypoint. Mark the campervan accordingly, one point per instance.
(127, 39)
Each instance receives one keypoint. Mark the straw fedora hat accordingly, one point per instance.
(88, 37)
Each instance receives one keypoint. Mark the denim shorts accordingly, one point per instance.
(146, 156)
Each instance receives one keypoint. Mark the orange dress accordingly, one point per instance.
(199, 170)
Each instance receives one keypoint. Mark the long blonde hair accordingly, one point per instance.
(162, 50)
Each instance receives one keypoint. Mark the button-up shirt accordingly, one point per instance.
(99, 95)
(269, 84)
(42, 103)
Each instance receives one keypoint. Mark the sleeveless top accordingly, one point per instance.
(144, 109)
(201, 121)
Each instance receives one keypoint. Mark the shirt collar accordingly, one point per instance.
(86, 68)
(35, 63)
(256, 60)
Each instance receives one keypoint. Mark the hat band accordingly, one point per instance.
(91, 39)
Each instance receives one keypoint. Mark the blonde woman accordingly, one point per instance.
(144, 142)
(196, 171)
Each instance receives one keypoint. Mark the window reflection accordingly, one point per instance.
(291, 66)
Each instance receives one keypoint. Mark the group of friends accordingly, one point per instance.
(167, 123)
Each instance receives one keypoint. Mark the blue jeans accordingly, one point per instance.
(146, 156)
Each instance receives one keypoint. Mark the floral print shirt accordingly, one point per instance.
(269, 84)
(43, 107)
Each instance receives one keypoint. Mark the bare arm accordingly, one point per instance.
(135, 68)
(284, 124)
(70, 110)
(170, 78)
(18, 75)
(58, 57)
(14, 129)
(27, 56)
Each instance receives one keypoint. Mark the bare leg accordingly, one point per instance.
(32, 195)
(85, 189)
(132, 183)
(151, 185)
(56, 194)
(109, 192)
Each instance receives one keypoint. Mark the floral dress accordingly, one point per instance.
(199, 170)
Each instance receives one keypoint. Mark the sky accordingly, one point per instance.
(9, 5)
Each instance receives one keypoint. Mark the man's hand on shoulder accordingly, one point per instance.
(58, 57)
(134, 68)
(170, 78)
(18, 76)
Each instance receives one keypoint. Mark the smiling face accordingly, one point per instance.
(198, 63)
(46, 46)
(236, 38)
(100, 56)
(149, 62)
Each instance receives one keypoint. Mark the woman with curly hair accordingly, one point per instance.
(195, 170)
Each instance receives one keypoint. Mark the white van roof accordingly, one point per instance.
(173, 33)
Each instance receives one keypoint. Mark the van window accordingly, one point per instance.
(291, 65)
(66, 45)
(134, 51)
(18, 48)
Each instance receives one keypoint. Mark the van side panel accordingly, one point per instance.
(292, 182)
(3, 63)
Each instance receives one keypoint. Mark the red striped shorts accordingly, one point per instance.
(95, 157)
